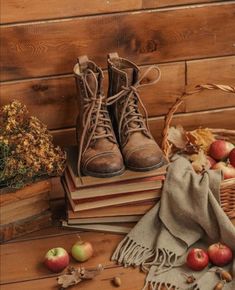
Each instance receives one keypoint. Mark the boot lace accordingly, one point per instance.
(96, 121)
(129, 98)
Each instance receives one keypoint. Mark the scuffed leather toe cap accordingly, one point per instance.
(104, 165)
(145, 158)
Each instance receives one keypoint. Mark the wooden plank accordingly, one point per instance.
(196, 33)
(57, 191)
(64, 137)
(32, 253)
(24, 209)
(29, 10)
(100, 282)
(28, 191)
(50, 231)
(216, 70)
(22, 227)
(161, 3)
(53, 100)
(223, 118)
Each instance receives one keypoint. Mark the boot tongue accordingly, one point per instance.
(132, 77)
(92, 84)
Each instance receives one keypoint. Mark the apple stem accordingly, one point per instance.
(79, 238)
(199, 255)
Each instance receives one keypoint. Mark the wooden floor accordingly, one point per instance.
(22, 267)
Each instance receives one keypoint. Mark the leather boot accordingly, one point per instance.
(99, 154)
(139, 149)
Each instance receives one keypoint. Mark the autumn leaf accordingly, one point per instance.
(77, 275)
(176, 135)
(199, 161)
(201, 138)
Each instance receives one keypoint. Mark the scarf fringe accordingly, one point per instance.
(158, 286)
(129, 253)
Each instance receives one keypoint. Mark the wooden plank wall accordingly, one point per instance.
(193, 41)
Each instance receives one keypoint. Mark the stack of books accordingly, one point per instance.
(112, 204)
(25, 210)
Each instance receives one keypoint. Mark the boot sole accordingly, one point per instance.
(103, 175)
(160, 164)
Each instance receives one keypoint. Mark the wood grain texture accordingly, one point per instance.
(54, 102)
(32, 253)
(101, 282)
(33, 10)
(195, 32)
(221, 118)
(57, 191)
(50, 231)
(32, 190)
(162, 3)
(22, 227)
(64, 137)
(217, 71)
(24, 208)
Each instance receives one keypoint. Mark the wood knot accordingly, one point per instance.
(39, 87)
(149, 46)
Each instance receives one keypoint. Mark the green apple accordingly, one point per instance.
(82, 251)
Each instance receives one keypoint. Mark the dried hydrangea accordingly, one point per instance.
(26, 148)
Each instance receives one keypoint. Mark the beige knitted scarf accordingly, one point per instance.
(188, 215)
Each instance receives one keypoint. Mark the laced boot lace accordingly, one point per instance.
(95, 120)
(129, 98)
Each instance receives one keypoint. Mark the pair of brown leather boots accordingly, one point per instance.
(111, 131)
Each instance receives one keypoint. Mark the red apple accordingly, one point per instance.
(227, 169)
(56, 259)
(219, 254)
(232, 157)
(210, 161)
(82, 251)
(220, 149)
(197, 259)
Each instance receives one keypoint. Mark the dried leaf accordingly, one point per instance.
(68, 280)
(176, 135)
(201, 138)
(77, 275)
(199, 161)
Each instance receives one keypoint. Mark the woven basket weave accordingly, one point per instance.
(227, 190)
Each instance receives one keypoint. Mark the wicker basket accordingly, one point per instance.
(227, 191)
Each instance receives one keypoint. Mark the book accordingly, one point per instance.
(142, 184)
(125, 198)
(85, 181)
(135, 208)
(106, 220)
(118, 229)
